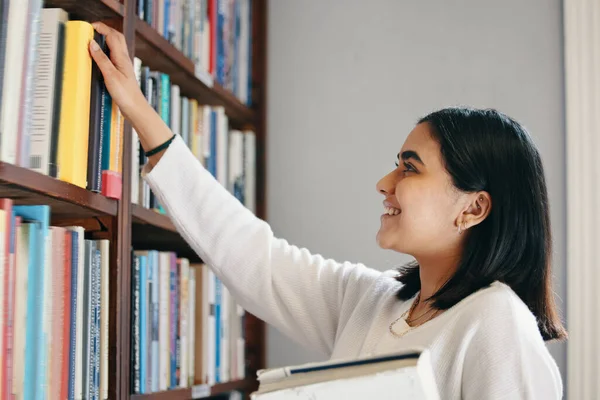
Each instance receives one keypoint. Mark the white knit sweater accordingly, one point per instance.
(486, 347)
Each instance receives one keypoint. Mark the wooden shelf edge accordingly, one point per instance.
(156, 52)
(186, 393)
(145, 216)
(89, 9)
(26, 180)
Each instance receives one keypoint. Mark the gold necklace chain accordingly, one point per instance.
(408, 318)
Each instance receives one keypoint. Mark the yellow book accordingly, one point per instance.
(116, 139)
(193, 124)
(75, 104)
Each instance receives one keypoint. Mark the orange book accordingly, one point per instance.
(66, 265)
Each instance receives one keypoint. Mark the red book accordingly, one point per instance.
(112, 184)
(66, 265)
(7, 300)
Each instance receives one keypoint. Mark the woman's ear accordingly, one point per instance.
(476, 211)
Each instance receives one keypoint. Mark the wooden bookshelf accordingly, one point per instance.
(154, 231)
(90, 10)
(186, 393)
(157, 53)
(128, 225)
(25, 186)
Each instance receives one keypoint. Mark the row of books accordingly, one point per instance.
(54, 288)
(57, 117)
(227, 153)
(215, 34)
(186, 327)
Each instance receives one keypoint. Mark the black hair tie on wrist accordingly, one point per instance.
(160, 148)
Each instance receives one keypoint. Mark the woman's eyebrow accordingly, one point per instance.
(407, 154)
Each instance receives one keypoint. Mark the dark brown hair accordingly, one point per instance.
(484, 150)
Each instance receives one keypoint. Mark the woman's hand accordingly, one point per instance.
(118, 73)
(119, 78)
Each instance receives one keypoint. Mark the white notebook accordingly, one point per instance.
(401, 375)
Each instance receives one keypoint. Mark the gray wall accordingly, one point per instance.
(349, 78)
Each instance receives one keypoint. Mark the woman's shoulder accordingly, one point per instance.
(497, 304)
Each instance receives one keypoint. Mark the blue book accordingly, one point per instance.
(211, 162)
(36, 347)
(155, 311)
(220, 42)
(73, 317)
(143, 321)
(105, 156)
(167, 22)
(97, 265)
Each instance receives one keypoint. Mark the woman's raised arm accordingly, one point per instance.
(303, 295)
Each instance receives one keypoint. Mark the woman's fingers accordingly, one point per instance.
(118, 48)
(104, 63)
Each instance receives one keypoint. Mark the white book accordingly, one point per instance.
(104, 247)
(250, 170)
(46, 97)
(185, 120)
(79, 311)
(184, 349)
(211, 327)
(198, 131)
(176, 109)
(225, 350)
(241, 344)
(222, 145)
(405, 374)
(236, 154)
(164, 321)
(135, 144)
(20, 325)
(14, 66)
(202, 278)
(206, 112)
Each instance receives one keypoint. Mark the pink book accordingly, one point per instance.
(8, 282)
(57, 322)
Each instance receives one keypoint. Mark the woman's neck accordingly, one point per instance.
(434, 273)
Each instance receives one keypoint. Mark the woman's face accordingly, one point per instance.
(423, 201)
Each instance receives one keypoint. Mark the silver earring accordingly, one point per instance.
(460, 229)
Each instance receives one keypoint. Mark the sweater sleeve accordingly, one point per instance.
(301, 294)
(507, 358)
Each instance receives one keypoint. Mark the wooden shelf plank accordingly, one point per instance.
(160, 55)
(186, 393)
(90, 10)
(154, 231)
(66, 200)
(142, 215)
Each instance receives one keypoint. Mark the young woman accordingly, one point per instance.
(467, 200)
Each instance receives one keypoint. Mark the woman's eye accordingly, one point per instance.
(408, 168)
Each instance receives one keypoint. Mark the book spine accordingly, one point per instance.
(48, 81)
(75, 107)
(135, 323)
(66, 263)
(173, 321)
(97, 93)
(73, 318)
(27, 85)
(143, 323)
(156, 279)
(4, 7)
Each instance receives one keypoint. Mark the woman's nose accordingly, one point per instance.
(387, 184)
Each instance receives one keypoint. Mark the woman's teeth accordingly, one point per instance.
(391, 211)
